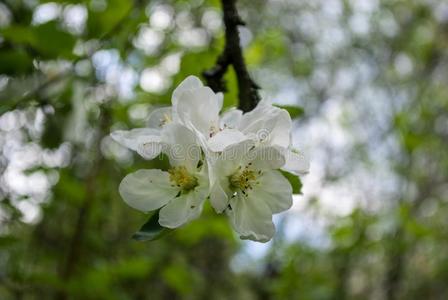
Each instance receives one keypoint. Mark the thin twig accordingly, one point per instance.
(233, 55)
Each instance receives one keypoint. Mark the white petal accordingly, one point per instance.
(182, 209)
(224, 139)
(231, 118)
(265, 158)
(251, 120)
(219, 198)
(221, 166)
(182, 147)
(147, 190)
(281, 129)
(233, 156)
(220, 99)
(199, 108)
(296, 162)
(251, 218)
(271, 125)
(188, 84)
(135, 137)
(159, 117)
(151, 148)
(274, 190)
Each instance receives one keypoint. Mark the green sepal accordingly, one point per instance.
(151, 230)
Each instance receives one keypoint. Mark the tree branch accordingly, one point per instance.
(233, 55)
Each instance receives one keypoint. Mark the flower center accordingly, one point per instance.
(165, 119)
(181, 178)
(213, 130)
(244, 179)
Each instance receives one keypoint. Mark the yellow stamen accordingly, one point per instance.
(165, 120)
(244, 179)
(213, 130)
(181, 178)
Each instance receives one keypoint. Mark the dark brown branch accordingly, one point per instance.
(233, 55)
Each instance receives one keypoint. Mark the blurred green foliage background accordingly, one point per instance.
(371, 76)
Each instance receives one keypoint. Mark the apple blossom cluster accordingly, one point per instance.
(232, 159)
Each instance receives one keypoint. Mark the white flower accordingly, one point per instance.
(233, 159)
(181, 191)
(193, 105)
(147, 141)
(248, 187)
(164, 115)
(270, 126)
(135, 139)
(198, 109)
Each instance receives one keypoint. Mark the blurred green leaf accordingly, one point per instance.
(294, 111)
(179, 277)
(151, 230)
(190, 66)
(52, 41)
(18, 34)
(52, 135)
(101, 22)
(7, 241)
(15, 62)
(295, 182)
(47, 39)
(70, 188)
(231, 95)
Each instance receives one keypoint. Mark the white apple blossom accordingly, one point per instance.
(269, 125)
(249, 188)
(193, 105)
(135, 139)
(181, 191)
(233, 159)
(164, 115)
(147, 141)
(199, 109)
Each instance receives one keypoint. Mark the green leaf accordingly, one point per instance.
(151, 230)
(52, 136)
(103, 21)
(52, 41)
(294, 111)
(295, 182)
(179, 276)
(231, 95)
(47, 39)
(7, 241)
(18, 34)
(15, 62)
